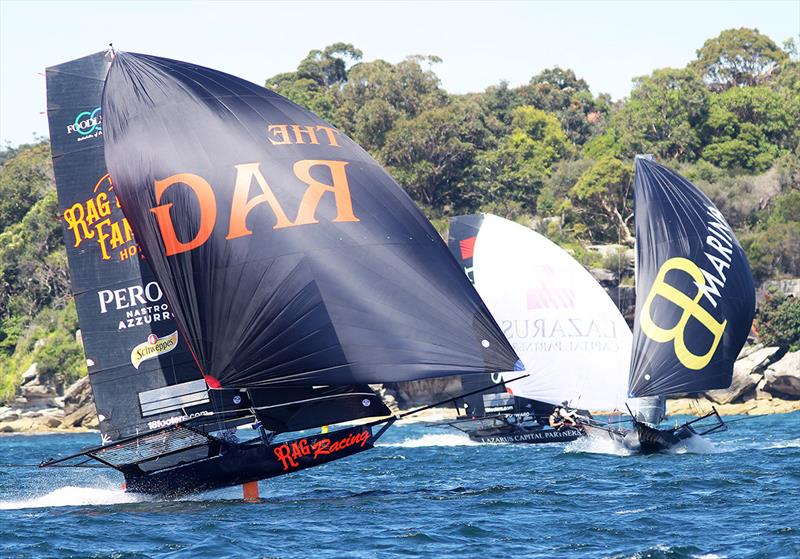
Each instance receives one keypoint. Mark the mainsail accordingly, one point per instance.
(571, 338)
(695, 298)
(142, 373)
(289, 256)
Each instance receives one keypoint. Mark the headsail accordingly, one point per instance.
(571, 338)
(287, 253)
(695, 298)
(141, 371)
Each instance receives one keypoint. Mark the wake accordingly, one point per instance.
(433, 440)
(602, 445)
(72, 496)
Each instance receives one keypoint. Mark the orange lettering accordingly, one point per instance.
(208, 212)
(329, 132)
(241, 206)
(300, 130)
(280, 130)
(316, 189)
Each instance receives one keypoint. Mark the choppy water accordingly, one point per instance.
(429, 492)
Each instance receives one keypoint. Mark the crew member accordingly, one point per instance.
(556, 421)
(568, 416)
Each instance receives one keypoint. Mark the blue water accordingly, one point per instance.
(428, 492)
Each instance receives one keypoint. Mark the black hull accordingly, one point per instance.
(643, 439)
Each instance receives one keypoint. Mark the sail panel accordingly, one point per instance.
(695, 297)
(288, 254)
(573, 342)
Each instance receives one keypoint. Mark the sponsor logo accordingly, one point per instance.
(538, 436)
(556, 335)
(153, 347)
(291, 452)
(158, 423)
(691, 309)
(100, 219)
(142, 304)
(87, 124)
(718, 251)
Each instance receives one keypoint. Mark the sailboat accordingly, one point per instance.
(237, 261)
(695, 302)
(573, 342)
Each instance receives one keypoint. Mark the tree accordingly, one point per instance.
(663, 115)
(328, 67)
(561, 92)
(778, 320)
(738, 57)
(378, 94)
(518, 167)
(601, 201)
(749, 127)
(432, 155)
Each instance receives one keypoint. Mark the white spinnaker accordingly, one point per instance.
(572, 339)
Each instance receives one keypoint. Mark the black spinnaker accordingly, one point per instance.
(297, 269)
(695, 297)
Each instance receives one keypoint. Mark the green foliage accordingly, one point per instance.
(49, 341)
(663, 115)
(601, 202)
(749, 127)
(517, 168)
(432, 154)
(778, 320)
(738, 57)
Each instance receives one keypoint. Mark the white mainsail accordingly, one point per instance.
(571, 337)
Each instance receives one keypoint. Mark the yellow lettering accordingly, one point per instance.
(691, 309)
(300, 130)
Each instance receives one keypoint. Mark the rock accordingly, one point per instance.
(79, 338)
(604, 277)
(746, 375)
(78, 395)
(761, 392)
(29, 374)
(783, 377)
(80, 416)
(51, 422)
(39, 343)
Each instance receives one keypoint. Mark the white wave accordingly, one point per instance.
(434, 440)
(629, 511)
(72, 496)
(695, 445)
(795, 443)
(597, 445)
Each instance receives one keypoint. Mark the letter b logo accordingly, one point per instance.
(691, 309)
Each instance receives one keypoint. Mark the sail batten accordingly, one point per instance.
(288, 254)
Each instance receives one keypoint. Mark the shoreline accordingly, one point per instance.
(678, 406)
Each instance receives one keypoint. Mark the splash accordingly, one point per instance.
(695, 445)
(597, 445)
(72, 496)
(434, 440)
